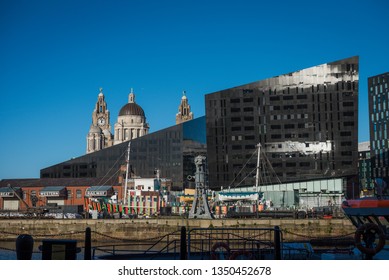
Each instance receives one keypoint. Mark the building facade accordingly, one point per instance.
(379, 126)
(131, 122)
(366, 184)
(306, 121)
(67, 194)
(184, 113)
(99, 135)
(171, 151)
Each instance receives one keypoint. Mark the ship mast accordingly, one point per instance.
(258, 162)
(257, 181)
(127, 167)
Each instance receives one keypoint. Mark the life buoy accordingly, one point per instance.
(244, 254)
(371, 229)
(217, 249)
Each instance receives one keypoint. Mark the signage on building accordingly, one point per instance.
(50, 193)
(7, 194)
(96, 193)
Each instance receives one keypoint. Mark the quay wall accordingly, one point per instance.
(138, 229)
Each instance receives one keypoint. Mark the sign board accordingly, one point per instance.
(7, 194)
(96, 193)
(49, 193)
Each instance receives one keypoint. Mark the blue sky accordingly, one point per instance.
(55, 55)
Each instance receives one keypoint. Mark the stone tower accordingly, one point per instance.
(99, 135)
(184, 114)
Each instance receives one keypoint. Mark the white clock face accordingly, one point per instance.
(101, 121)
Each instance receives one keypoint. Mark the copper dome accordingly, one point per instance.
(131, 109)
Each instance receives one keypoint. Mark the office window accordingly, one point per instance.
(345, 133)
(348, 123)
(289, 126)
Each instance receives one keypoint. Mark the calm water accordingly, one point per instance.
(8, 252)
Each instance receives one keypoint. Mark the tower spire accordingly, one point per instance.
(131, 96)
(184, 113)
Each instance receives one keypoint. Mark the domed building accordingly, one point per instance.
(131, 122)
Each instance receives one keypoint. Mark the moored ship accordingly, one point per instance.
(370, 216)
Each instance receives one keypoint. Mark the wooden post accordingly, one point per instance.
(24, 247)
(183, 251)
(277, 243)
(88, 244)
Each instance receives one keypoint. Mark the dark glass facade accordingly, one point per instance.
(379, 125)
(364, 167)
(306, 121)
(171, 150)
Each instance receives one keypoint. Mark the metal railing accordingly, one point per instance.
(234, 243)
(156, 248)
(206, 244)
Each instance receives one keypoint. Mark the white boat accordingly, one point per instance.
(238, 195)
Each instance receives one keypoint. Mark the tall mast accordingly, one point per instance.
(257, 181)
(258, 162)
(126, 182)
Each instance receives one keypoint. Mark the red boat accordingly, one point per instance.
(370, 215)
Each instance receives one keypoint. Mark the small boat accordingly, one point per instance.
(238, 196)
(366, 207)
(370, 216)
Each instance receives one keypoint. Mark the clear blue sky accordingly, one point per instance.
(55, 55)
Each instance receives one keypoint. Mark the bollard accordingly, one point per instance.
(277, 243)
(183, 251)
(88, 244)
(24, 247)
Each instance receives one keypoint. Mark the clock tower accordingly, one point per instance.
(99, 136)
(184, 113)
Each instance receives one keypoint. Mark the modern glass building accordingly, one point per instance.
(306, 121)
(379, 126)
(364, 167)
(171, 150)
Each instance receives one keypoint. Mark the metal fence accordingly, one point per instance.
(234, 243)
(209, 244)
